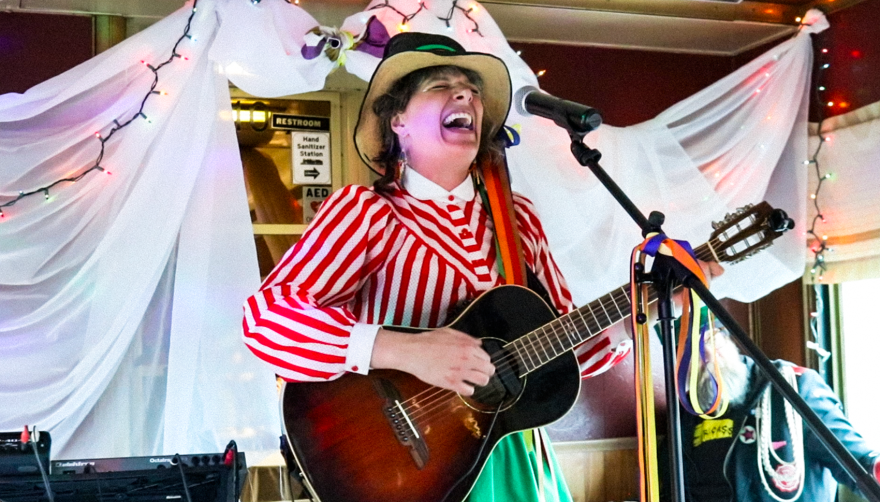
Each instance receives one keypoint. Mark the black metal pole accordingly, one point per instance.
(664, 282)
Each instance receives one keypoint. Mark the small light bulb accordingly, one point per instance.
(812, 196)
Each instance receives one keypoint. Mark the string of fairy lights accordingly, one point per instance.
(103, 139)
(154, 68)
(455, 7)
(820, 241)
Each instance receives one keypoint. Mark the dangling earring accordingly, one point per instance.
(401, 164)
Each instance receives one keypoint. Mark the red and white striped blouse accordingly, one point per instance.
(404, 258)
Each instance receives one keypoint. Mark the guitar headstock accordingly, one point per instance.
(746, 231)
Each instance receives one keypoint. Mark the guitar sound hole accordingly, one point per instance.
(505, 386)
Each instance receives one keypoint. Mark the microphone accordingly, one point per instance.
(574, 117)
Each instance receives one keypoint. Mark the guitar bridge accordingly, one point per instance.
(404, 429)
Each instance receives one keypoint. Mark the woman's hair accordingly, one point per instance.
(395, 101)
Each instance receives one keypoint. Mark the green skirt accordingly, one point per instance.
(511, 473)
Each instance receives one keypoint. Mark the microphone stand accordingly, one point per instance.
(664, 274)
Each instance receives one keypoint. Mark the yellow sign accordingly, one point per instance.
(713, 429)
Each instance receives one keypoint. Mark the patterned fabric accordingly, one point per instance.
(391, 259)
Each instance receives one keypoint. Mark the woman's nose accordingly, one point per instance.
(464, 93)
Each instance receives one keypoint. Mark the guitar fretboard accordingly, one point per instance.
(563, 334)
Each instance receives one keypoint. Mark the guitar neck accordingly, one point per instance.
(564, 333)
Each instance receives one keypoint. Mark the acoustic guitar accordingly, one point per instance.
(389, 437)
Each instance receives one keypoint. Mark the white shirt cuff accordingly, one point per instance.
(360, 347)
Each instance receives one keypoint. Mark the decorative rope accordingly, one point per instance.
(793, 470)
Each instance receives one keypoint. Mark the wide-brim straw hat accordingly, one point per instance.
(411, 51)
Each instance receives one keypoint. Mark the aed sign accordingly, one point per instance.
(311, 158)
(313, 197)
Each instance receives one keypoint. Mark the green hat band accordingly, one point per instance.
(431, 47)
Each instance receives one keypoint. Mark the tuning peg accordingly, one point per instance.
(779, 221)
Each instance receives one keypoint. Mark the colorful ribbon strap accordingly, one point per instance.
(691, 357)
(493, 184)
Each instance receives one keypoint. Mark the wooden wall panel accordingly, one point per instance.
(600, 471)
(626, 86)
(37, 47)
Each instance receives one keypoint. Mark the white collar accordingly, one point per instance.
(422, 188)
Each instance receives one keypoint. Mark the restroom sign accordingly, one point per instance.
(311, 158)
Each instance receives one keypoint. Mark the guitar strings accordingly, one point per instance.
(593, 328)
(545, 343)
(422, 408)
(702, 252)
(441, 399)
(429, 403)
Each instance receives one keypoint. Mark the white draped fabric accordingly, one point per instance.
(740, 141)
(120, 296)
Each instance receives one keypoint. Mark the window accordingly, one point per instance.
(861, 350)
